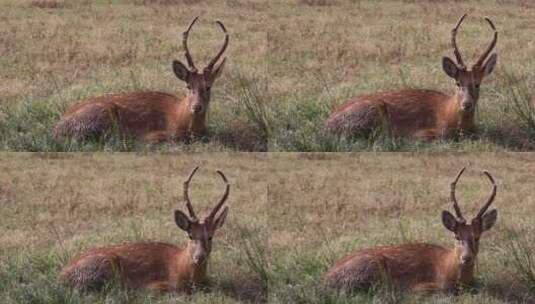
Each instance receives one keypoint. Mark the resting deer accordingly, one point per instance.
(422, 114)
(419, 267)
(153, 265)
(150, 116)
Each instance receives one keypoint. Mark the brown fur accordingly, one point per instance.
(152, 265)
(411, 266)
(151, 116)
(147, 265)
(423, 114)
(419, 267)
(422, 267)
(411, 113)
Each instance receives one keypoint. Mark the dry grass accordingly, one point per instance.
(326, 205)
(53, 57)
(302, 57)
(53, 206)
(47, 4)
(288, 222)
(320, 56)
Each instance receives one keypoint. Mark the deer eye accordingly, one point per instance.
(457, 238)
(457, 83)
(477, 86)
(210, 238)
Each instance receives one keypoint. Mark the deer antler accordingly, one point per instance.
(186, 195)
(491, 198)
(481, 59)
(210, 65)
(454, 43)
(185, 44)
(454, 199)
(212, 214)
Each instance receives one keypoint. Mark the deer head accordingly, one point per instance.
(201, 233)
(467, 235)
(468, 81)
(199, 84)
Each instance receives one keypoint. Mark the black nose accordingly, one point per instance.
(197, 109)
(466, 259)
(467, 106)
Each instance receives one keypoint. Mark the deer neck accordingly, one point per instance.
(189, 123)
(189, 271)
(456, 118)
(458, 274)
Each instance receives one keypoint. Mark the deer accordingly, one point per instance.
(419, 113)
(419, 267)
(147, 115)
(153, 266)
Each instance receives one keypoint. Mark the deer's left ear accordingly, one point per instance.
(220, 220)
(182, 220)
(449, 221)
(489, 219)
(180, 70)
(450, 68)
(217, 71)
(490, 64)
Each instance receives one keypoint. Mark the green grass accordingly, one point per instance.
(56, 205)
(291, 217)
(322, 53)
(289, 64)
(57, 52)
(328, 205)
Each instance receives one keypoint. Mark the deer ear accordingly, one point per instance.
(449, 67)
(220, 220)
(489, 219)
(490, 64)
(217, 71)
(449, 221)
(180, 70)
(182, 220)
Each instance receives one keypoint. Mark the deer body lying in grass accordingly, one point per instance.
(150, 116)
(415, 113)
(419, 267)
(152, 265)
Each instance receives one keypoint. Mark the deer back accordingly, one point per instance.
(401, 113)
(135, 264)
(134, 114)
(405, 266)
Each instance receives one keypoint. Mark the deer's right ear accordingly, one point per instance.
(489, 219)
(449, 221)
(180, 70)
(449, 67)
(182, 220)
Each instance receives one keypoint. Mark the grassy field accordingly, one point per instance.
(289, 64)
(327, 205)
(322, 53)
(56, 52)
(53, 206)
(288, 222)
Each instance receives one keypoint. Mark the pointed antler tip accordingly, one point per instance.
(222, 175)
(221, 25)
(487, 173)
(490, 23)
